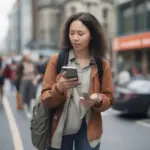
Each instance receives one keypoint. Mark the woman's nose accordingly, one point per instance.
(76, 37)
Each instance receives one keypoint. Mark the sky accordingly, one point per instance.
(5, 7)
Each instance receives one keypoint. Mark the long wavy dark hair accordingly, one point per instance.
(97, 45)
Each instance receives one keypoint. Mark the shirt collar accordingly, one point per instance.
(72, 57)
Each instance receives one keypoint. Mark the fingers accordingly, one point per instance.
(64, 73)
(68, 83)
(86, 103)
(72, 79)
(71, 84)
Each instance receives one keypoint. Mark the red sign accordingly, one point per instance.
(132, 42)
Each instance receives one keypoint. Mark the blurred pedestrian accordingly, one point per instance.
(136, 73)
(28, 72)
(17, 83)
(124, 77)
(1, 79)
(77, 118)
(13, 68)
(37, 81)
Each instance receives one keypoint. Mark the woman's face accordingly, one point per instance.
(79, 35)
(27, 57)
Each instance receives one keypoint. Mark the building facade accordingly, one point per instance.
(49, 12)
(132, 43)
(26, 23)
(13, 36)
(54, 13)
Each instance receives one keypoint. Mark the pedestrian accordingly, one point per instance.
(77, 119)
(1, 79)
(28, 73)
(17, 83)
(13, 67)
(37, 81)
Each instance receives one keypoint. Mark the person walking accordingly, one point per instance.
(28, 73)
(2, 78)
(77, 118)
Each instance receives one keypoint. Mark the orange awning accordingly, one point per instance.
(131, 42)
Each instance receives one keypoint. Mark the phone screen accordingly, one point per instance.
(71, 72)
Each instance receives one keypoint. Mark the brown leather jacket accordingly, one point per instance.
(51, 97)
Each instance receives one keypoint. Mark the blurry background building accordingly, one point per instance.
(53, 14)
(20, 26)
(39, 22)
(132, 43)
(49, 22)
(25, 22)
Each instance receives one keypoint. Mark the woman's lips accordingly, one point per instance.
(76, 44)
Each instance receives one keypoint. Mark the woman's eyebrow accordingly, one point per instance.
(76, 30)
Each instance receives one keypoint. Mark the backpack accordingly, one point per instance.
(42, 116)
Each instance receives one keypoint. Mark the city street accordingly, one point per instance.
(121, 132)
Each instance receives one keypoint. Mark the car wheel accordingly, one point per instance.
(148, 111)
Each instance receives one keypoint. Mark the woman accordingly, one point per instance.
(28, 73)
(76, 123)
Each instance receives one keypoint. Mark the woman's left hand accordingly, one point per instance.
(87, 103)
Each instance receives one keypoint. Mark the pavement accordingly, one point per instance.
(121, 131)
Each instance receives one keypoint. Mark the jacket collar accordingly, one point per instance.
(94, 71)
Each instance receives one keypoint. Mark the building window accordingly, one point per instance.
(148, 15)
(105, 13)
(42, 35)
(73, 10)
(141, 17)
(105, 26)
(127, 20)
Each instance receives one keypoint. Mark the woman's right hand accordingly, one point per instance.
(65, 84)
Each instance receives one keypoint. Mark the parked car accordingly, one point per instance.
(133, 97)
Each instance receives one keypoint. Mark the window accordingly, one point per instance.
(105, 26)
(73, 10)
(141, 17)
(42, 35)
(148, 15)
(105, 13)
(127, 20)
(138, 58)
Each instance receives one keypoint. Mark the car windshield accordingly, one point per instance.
(141, 86)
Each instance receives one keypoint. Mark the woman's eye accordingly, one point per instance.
(81, 34)
(71, 33)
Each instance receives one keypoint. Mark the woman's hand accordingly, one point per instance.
(91, 101)
(65, 84)
(94, 97)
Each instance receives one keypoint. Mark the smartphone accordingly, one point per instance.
(71, 72)
(86, 96)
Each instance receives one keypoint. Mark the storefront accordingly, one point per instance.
(133, 51)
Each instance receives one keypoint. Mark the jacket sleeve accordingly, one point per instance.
(50, 96)
(107, 91)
